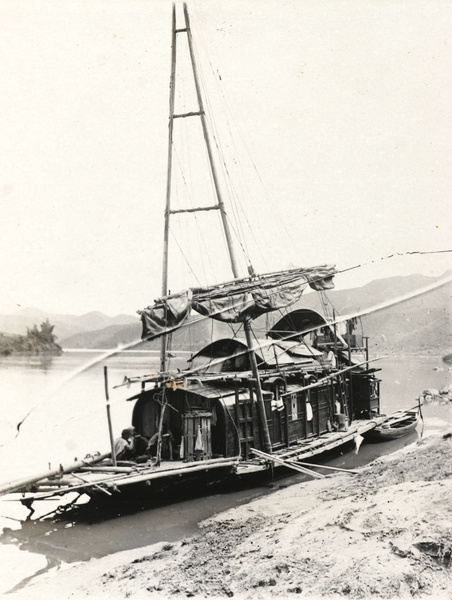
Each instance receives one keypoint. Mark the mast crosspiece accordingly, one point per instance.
(190, 210)
(189, 114)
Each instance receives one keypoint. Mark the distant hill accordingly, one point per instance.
(422, 325)
(197, 333)
(65, 325)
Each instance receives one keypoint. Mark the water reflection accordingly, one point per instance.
(43, 362)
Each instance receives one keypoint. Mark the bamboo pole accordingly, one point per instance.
(107, 469)
(331, 376)
(110, 428)
(163, 349)
(117, 481)
(18, 484)
(205, 130)
(259, 396)
(158, 457)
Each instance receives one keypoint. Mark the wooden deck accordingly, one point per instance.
(106, 479)
(103, 478)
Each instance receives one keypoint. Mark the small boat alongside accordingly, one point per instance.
(398, 425)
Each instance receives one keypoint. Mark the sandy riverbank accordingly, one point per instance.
(385, 532)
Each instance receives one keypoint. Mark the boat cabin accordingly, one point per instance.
(210, 410)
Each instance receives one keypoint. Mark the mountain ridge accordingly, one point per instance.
(66, 325)
(422, 324)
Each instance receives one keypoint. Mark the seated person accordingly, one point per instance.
(168, 443)
(131, 445)
(123, 446)
(140, 444)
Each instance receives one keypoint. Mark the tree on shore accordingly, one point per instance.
(35, 341)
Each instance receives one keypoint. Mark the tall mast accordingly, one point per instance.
(168, 182)
(202, 114)
(219, 205)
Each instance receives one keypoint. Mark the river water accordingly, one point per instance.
(60, 405)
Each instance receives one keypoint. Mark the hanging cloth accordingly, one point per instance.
(199, 444)
(358, 441)
(238, 305)
(165, 316)
(309, 415)
(181, 450)
(332, 358)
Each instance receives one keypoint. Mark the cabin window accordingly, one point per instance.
(294, 404)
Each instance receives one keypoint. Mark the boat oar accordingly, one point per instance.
(305, 464)
(286, 463)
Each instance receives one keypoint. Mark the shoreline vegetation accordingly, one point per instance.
(384, 532)
(35, 341)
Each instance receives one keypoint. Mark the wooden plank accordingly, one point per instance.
(305, 464)
(285, 463)
(108, 469)
(185, 468)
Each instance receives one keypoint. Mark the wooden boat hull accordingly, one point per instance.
(394, 428)
(147, 485)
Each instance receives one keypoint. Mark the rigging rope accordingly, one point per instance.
(190, 201)
(237, 225)
(232, 137)
(186, 260)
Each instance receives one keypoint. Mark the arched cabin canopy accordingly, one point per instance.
(309, 326)
(231, 355)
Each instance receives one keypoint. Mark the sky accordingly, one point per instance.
(331, 120)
